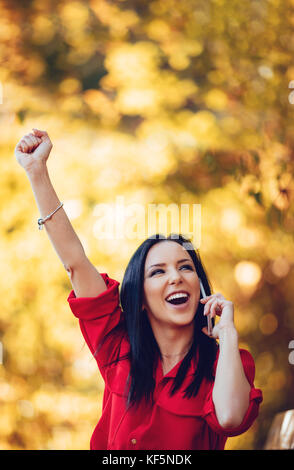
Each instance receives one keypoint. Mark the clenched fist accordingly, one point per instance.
(33, 150)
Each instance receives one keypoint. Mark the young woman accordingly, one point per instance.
(169, 385)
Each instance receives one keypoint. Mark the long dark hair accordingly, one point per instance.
(144, 350)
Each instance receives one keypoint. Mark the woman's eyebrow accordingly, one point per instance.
(164, 264)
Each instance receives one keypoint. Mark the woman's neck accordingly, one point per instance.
(174, 345)
(175, 355)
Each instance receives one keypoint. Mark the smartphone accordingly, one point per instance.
(209, 324)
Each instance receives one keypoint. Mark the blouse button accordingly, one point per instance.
(134, 441)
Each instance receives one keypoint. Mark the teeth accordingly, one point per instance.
(177, 296)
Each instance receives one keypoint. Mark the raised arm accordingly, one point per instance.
(32, 153)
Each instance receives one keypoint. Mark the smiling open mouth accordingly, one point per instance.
(177, 299)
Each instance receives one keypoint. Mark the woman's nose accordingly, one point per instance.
(175, 277)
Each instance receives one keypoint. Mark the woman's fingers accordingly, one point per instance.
(19, 147)
(22, 147)
(29, 142)
(208, 303)
(215, 308)
(39, 133)
(212, 306)
(43, 136)
(35, 139)
(26, 144)
(209, 309)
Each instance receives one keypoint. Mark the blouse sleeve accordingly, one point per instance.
(255, 399)
(97, 317)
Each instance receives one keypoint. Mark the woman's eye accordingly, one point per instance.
(156, 271)
(187, 266)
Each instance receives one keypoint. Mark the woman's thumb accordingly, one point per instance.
(39, 133)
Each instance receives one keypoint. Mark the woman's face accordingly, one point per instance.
(169, 269)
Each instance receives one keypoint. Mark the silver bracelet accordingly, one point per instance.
(42, 221)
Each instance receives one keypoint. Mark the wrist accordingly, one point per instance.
(228, 332)
(37, 171)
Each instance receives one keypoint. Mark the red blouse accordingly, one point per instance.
(173, 422)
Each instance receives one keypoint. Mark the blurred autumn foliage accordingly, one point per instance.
(163, 101)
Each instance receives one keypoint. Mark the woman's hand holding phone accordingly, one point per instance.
(217, 305)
